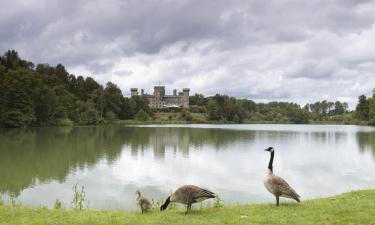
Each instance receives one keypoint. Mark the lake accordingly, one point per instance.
(39, 165)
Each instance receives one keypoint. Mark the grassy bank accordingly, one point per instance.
(356, 207)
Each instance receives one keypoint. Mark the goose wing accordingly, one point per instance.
(144, 202)
(192, 193)
(202, 193)
(284, 188)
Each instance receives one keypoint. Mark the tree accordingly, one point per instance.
(141, 115)
(97, 97)
(339, 108)
(112, 98)
(330, 106)
(363, 108)
(212, 110)
(197, 99)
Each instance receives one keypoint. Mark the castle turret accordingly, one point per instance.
(133, 91)
(159, 91)
(185, 101)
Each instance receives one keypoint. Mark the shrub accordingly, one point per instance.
(110, 116)
(141, 115)
(78, 201)
(58, 204)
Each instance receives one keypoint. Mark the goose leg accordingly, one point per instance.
(277, 200)
(188, 207)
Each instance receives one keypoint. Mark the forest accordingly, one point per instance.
(45, 95)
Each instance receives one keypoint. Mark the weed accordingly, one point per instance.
(58, 204)
(13, 199)
(78, 201)
(218, 202)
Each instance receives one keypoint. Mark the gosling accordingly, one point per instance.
(143, 202)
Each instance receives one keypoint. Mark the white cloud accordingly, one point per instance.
(264, 50)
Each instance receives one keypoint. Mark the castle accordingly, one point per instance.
(159, 99)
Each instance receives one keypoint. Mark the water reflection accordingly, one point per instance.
(42, 164)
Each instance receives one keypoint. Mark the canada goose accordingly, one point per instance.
(277, 185)
(143, 202)
(188, 194)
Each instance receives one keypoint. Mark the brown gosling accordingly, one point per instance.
(188, 195)
(277, 185)
(143, 202)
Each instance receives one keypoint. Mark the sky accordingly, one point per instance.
(274, 50)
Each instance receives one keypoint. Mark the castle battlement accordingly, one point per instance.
(159, 99)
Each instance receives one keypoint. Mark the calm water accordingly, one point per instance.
(112, 162)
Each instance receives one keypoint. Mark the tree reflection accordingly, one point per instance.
(28, 156)
(366, 141)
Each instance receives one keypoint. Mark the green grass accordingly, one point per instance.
(356, 207)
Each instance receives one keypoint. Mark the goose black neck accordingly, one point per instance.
(166, 203)
(271, 161)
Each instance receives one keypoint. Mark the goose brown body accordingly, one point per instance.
(188, 195)
(277, 185)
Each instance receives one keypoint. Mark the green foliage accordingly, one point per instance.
(110, 116)
(16, 119)
(58, 204)
(186, 115)
(13, 199)
(49, 95)
(79, 196)
(141, 115)
(1, 201)
(218, 202)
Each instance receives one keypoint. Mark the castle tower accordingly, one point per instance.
(133, 91)
(159, 91)
(185, 100)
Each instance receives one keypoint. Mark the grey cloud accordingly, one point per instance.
(214, 46)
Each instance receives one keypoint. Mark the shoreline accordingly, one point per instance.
(158, 122)
(356, 207)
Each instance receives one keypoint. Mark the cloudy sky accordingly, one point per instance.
(300, 51)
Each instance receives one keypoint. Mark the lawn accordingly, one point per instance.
(356, 207)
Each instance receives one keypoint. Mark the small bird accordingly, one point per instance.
(143, 202)
(277, 185)
(188, 194)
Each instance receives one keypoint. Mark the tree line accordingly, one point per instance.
(45, 95)
(226, 108)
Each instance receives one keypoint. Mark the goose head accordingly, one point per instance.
(269, 149)
(166, 203)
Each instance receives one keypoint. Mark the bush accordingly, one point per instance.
(17, 119)
(141, 115)
(110, 116)
(58, 204)
(89, 117)
(64, 122)
(185, 115)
